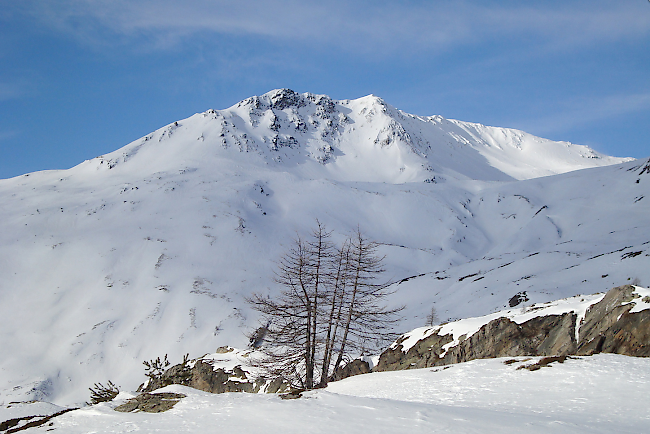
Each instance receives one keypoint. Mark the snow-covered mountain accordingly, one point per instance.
(151, 249)
(352, 140)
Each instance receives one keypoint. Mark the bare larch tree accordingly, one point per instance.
(330, 306)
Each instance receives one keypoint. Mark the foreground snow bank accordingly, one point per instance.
(599, 394)
(602, 392)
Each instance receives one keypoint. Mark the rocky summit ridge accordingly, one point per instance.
(357, 140)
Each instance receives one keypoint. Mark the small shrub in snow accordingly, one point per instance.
(155, 368)
(161, 375)
(100, 393)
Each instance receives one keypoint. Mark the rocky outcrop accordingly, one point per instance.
(151, 402)
(355, 367)
(541, 336)
(206, 378)
(608, 326)
(203, 375)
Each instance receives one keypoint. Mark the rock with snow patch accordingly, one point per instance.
(151, 402)
(618, 322)
(355, 367)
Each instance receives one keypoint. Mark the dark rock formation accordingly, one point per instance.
(14, 425)
(203, 376)
(518, 298)
(607, 327)
(543, 362)
(292, 394)
(540, 336)
(151, 402)
(355, 367)
(208, 379)
(285, 98)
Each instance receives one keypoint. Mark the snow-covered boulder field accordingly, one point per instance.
(615, 322)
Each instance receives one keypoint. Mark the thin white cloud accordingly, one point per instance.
(585, 111)
(4, 135)
(12, 90)
(367, 26)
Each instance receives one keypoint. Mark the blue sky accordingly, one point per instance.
(80, 78)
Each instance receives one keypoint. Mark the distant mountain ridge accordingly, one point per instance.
(151, 249)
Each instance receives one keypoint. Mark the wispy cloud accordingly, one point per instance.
(585, 111)
(4, 135)
(12, 90)
(368, 26)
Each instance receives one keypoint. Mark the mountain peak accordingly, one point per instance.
(364, 139)
(282, 99)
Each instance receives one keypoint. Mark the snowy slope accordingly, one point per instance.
(151, 249)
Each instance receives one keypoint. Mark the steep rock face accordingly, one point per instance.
(502, 337)
(423, 354)
(610, 327)
(619, 323)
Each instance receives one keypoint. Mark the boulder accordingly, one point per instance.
(355, 367)
(151, 402)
